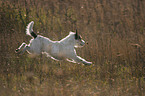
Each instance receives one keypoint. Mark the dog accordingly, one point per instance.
(57, 50)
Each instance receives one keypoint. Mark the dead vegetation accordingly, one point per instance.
(114, 30)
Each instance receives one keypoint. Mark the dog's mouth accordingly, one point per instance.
(82, 44)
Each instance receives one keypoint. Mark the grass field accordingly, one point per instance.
(114, 30)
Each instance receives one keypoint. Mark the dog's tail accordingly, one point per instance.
(29, 30)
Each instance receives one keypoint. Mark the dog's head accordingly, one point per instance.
(78, 40)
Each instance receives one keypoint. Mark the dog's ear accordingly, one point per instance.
(76, 35)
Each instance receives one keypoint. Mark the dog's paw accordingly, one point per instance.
(88, 63)
(17, 51)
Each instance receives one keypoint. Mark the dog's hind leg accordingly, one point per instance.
(24, 49)
(20, 48)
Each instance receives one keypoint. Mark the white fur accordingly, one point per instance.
(58, 50)
(29, 28)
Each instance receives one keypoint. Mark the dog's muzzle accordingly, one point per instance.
(82, 42)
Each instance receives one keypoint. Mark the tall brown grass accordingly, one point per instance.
(114, 30)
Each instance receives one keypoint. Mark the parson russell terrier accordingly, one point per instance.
(57, 50)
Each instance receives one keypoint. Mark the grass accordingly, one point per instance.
(115, 34)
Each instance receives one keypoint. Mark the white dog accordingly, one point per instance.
(58, 50)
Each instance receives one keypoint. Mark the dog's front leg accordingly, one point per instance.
(81, 60)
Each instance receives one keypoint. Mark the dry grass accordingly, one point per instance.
(114, 29)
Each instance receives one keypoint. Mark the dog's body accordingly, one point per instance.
(58, 50)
